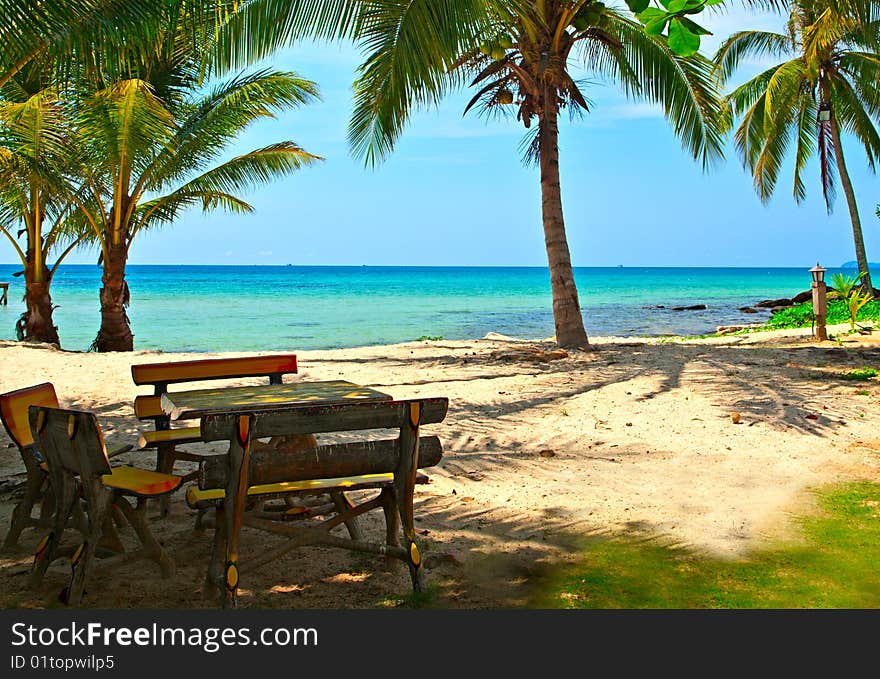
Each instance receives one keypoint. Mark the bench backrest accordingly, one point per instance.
(160, 375)
(14, 410)
(70, 439)
(163, 374)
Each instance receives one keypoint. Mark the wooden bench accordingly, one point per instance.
(164, 438)
(231, 482)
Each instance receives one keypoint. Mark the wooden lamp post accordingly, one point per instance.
(820, 301)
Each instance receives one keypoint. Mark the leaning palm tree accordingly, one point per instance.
(825, 87)
(520, 54)
(35, 197)
(150, 159)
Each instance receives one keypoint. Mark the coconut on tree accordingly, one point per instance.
(151, 142)
(522, 56)
(824, 86)
(35, 201)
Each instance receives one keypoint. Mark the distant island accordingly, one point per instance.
(855, 265)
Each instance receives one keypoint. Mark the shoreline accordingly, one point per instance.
(635, 439)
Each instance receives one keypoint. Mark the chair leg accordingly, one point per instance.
(100, 500)
(109, 535)
(21, 515)
(66, 496)
(343, 504)
(137, 517)
(164, 465)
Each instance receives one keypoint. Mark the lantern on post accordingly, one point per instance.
(824, 112)
(820, 301)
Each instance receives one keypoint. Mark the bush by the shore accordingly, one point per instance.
(802, 315)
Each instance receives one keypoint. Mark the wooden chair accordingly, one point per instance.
(80, 471)
(14, 413)
(387, 465)
(166, 439)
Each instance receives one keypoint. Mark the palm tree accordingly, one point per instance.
(152, 137)
(827, 86)
(34, 195)
(419, 50)
(145, 156)
(60, 31)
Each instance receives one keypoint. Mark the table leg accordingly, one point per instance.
(234, 504)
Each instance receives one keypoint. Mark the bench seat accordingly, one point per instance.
(196, 498)
(152, 439)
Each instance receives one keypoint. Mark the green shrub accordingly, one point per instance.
(838, 312)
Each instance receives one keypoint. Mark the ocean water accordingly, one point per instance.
(252, 308)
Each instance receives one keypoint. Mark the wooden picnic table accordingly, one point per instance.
(197, 403)
(210, 403)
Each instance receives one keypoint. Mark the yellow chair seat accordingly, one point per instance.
(141, 482)
(151, 439)
(194, 495)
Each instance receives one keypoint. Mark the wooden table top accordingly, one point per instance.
(187, 405)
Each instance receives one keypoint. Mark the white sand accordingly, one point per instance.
(641, 437)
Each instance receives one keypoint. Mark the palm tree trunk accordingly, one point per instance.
(37, 323)
(115, 333)
(861, 256)
(567, 317)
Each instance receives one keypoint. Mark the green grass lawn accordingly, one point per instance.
(835, 565)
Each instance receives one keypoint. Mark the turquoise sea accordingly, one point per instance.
(251, 308)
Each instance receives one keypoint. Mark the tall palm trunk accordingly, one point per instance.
(115, 333)
(36, 322)
(861, 256)
(566, 306)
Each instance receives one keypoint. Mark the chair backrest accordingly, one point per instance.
(70, 439)
(14, 410)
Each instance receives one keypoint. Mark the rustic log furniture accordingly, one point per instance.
(14, 413)
(244, 476)
(91, 493)
(201, 402)
(37, 487)
(160, 375)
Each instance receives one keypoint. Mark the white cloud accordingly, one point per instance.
(264, 253)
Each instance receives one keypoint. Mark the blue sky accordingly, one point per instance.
(455, 192)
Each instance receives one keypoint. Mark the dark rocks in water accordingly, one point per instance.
(770, 303)
(693, 307)
(748, 310)
(801, 297)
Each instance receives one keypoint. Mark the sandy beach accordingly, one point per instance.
(633, 438)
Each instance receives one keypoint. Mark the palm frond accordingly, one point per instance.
(412, 46)
(806, 144)
(749, 44)
(851, 113)
(685, 87)
(219, 117)
(260, 27)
